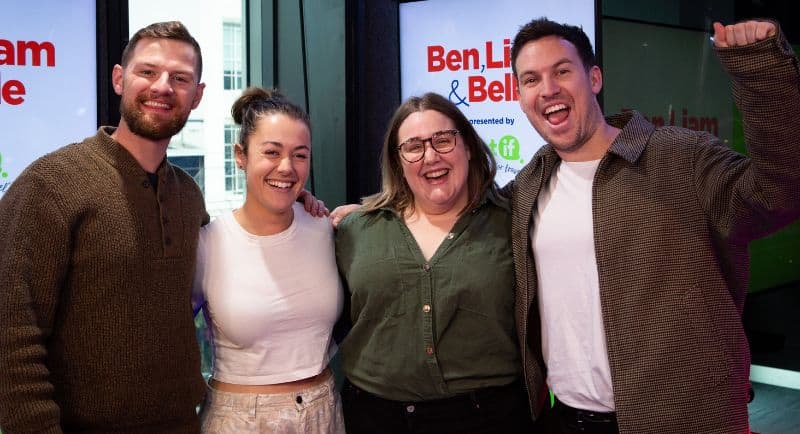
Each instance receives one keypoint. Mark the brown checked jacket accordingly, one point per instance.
(673, 213)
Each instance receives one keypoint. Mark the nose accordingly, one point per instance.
(550, 86)
(161, 84)
(285, 166)
(430, 154)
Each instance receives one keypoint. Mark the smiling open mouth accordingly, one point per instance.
(556, 114)
(157, 105)
(280, 184)
(436, 174)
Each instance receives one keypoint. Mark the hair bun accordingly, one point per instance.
(250, 96)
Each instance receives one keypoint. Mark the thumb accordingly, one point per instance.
(720, 40)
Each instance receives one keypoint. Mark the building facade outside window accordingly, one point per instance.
(234, 177)
(232, 75)
(208, 135)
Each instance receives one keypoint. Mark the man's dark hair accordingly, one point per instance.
(542, 27)
(166, 30)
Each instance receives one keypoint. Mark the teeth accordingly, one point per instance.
(157, 104)
(555, 108)
(280, 184)
(436, 174)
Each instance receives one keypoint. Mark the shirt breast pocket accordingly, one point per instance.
(376, 286)
(485, 278)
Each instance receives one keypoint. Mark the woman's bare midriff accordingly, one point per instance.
(289, 387)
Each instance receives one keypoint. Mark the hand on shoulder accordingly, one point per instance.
(312, 205)
(341, 212)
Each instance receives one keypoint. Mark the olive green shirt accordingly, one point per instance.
(425, 330)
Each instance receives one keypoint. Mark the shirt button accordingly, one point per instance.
(146, 184)
(429, 351)
(167, 241)
(410, 409)
(426, 308)
(450, 236)
(426, 267)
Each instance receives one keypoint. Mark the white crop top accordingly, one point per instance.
(269, 301)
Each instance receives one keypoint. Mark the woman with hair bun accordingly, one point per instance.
(268, 285)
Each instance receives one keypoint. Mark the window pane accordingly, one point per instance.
(232, 173)
(232, 55)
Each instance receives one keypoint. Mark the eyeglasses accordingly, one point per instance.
(413, 149)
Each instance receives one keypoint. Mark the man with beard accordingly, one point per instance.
(97, 261)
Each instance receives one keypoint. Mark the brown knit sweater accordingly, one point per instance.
(96, 330)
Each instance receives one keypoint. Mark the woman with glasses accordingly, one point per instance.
(427, 262)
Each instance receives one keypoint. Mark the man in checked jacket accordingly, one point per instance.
(630, 241)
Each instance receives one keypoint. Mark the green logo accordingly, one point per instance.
(3, 174)
(506, 148)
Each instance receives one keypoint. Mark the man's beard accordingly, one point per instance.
(140, 125)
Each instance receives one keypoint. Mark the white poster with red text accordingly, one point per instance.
(461, 50)
(48, 80)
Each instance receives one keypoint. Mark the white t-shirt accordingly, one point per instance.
(573, 336)
(270, 301)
